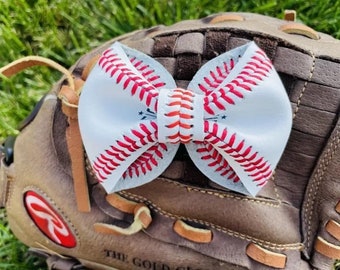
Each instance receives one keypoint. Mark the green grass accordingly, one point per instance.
(13, 254)
(63, 30)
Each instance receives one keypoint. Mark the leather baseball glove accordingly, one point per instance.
(208, 144)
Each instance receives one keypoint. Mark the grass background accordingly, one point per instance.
(63, 30)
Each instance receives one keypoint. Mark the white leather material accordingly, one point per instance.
(234, 119)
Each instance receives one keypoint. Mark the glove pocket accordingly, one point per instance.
(255, 233)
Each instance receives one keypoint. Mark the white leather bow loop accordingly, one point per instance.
(234, 118)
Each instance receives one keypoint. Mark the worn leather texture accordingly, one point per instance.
(285, 218)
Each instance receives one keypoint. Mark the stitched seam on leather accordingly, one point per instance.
(59, 211)
(263, 243)
(5, 178)
(222, 195)
(255, 164)
(111, 63)
(275, 188)
(9, 180)
(9, 192)
(305, 86)
(254, 71)
(180, 114)
(316, 184)
(109, 160)
(210, 192)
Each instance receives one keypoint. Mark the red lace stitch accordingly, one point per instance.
(180, 98)
(147, 72)
(148, 158)
(255, 70)
(216, 78)
(145, 90)
(256, 166)
(122, 149)
(214, 158)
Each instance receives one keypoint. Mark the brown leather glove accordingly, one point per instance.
(56, 195)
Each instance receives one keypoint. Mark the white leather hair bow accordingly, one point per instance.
(234, 118)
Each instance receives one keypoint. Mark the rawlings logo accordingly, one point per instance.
(48, 220)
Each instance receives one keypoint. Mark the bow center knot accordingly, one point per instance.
(180, 116)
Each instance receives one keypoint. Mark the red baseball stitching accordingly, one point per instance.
(111, 158)
(216, 160)
(180, 101)
(146, 162)
(254, 164)
(211, 83)
(146, 90)
(148, 73)
(254, 71)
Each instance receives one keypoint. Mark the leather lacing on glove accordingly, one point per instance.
(133, 216)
